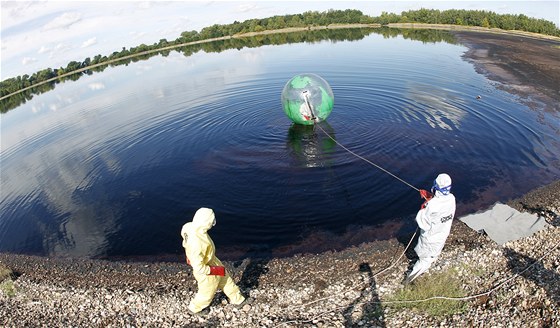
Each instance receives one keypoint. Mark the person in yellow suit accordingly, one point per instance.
(209, 272)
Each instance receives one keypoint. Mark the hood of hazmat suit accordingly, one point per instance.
(442, 185)
(435, 219)
(199, 247)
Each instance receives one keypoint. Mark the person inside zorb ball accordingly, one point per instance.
(307, 99)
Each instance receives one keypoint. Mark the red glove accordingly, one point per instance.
(426, 194)
(217, 271)
(424, 204)
(188, 262)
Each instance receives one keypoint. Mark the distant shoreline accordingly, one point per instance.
(401, 25)
(473, 28)
(297, 29)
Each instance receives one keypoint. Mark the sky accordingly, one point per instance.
(40, 34)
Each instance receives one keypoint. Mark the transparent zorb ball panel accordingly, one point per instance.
(307, 99)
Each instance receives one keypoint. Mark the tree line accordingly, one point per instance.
(481, 18)
(305, 20)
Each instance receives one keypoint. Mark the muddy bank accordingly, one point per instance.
(524, 66)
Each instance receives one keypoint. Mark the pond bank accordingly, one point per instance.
(527, 67)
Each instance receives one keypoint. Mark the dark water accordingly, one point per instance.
(112, 165)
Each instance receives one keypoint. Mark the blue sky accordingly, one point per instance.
(41, 34)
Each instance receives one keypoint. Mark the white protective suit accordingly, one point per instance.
(434, 222)
(200, 252)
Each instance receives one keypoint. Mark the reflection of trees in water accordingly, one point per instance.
(308, 145)
(349, 34)
(424, 35)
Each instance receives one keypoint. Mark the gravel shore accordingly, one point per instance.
(518, 284)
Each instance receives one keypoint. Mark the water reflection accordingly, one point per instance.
(112, 164)
(309, 146)
(438, 107)
(71, 213)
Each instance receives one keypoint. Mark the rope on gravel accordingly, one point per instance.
(359, 286)
(490, 291)
(465, 298)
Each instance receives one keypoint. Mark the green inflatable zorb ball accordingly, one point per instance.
(307, 99)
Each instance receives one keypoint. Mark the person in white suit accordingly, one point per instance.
(434, 220)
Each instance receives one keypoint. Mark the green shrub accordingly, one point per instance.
(438, 284)
(7, 287)
(6, 283)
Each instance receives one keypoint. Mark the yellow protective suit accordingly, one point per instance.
(200, 251)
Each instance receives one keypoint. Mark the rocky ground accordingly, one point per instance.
(518, 284)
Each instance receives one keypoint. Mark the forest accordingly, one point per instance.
(15, 91)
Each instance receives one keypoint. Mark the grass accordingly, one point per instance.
(474, 271)
(7, 287)
(6, 283)
(5, 273)
(438, 284)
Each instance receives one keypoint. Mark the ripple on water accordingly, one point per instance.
(127, 165)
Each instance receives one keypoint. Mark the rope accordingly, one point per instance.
(374, 275)
(465, 298)
(366, 160)
(328, 297)
(380, 168)
(490, 291)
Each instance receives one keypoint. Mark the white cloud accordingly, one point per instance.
(96, 86)
(43, 50)
(246, 7)
(89, 42)
(63, 21)
(137, 35)
(28, 60)
(145, 5)
(60, 46)
(58, 51)
(142, 68)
